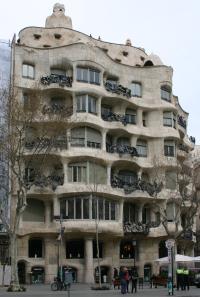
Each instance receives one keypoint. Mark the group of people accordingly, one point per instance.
(125, 277)
(182, 275)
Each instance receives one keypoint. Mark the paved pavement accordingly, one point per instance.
(82, 290)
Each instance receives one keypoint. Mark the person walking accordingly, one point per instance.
(178, 278)
(126, 276)
(134, 277)
(122, 280)
(186, 279)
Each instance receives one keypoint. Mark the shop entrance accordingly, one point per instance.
(37, 275)
(105, 270)
(21, 266)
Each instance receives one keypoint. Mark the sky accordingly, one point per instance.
(168, 28)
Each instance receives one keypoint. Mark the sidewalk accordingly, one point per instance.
(83, 290)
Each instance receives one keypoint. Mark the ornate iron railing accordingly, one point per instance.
(118, 89)
(187, 234)
(60, 79)
(114, 117)
(136, 228)
(182, 122)
(43, 143)
(183, 147)
(192, 139)
(122, 149)
(57, 108)
(139, 184)
(43, 181)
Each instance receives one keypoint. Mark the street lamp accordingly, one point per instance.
(134, 244)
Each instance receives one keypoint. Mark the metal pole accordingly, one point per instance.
(61, 270)
(172, 261)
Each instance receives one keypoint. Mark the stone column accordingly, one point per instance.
(56, 206)
(46, 256)
(121, 207)
(140, 207)
(103, 134)
(139, 118)
(89, 269)
(99, 106)
(108, 174)
(47, 213)
(65, 169)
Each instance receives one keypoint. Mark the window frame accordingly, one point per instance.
(85, 102)
(166, 93)
(88, 75)
(26, 71)
(136, 89)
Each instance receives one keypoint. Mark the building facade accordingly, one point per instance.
(125, 120)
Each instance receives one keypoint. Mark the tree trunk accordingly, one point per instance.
(14, 284)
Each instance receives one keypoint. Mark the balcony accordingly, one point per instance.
(42, 181)
(122, 149)
(62, 80)
(137, 185)
(44, 143)
(113, 87)
(182, 122)
(183, 148)
(114, 117)
(135, 228)
(187, 235)
(192, 139)
(57, 109)
(81, 142)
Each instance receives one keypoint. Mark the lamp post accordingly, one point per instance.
(134, 244)
(60, 237)
(170, 247)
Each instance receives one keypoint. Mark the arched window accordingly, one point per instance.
(165, 93)
(148, 63)
(136, 89)
(28, 71)
(86, 103)
(162, 250)
(85, 136)
(141, 147)
(131, 116)
(169, 119)
(88, 75)
(169, 148)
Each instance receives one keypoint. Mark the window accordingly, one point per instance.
(170, 180)
(169, 119)
(29, 174)
(84, 208)
(86, 136)
(136, 89)
(166, 93)
(77, 172)
(88, 75)
(169, 148)
(131, 116)
(75, 249)
(128, 177)
(28, 71)
(145, 215)
(141, 148)
(129, 213)
(35, 248)
(95, 249)
(127, 250)
(86, 103)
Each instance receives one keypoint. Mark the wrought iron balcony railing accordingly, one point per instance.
(139, 184)
(116, 88)
(192, 139)
(42, 181)
(44, 143)
(139, 227)
(122, 149)
(57, 108)
(183, 147)
(182, 122)
(60, 79)
(114, 117)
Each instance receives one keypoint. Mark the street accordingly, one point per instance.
(82, 290)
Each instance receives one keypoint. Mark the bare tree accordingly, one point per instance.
(30, 133)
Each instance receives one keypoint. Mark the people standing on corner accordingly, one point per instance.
(178, 278)
(134, 277)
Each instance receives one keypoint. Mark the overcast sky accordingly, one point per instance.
(168, 28)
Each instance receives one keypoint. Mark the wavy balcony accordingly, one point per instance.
(113, 87)
(122, 149)
(61, 80)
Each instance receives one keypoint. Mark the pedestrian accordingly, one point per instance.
(126, 276)
(122, 280)
(178, 278)
(186, 279)
(134, 278)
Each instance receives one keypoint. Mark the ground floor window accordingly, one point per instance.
(75, 249)
(37, 275)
